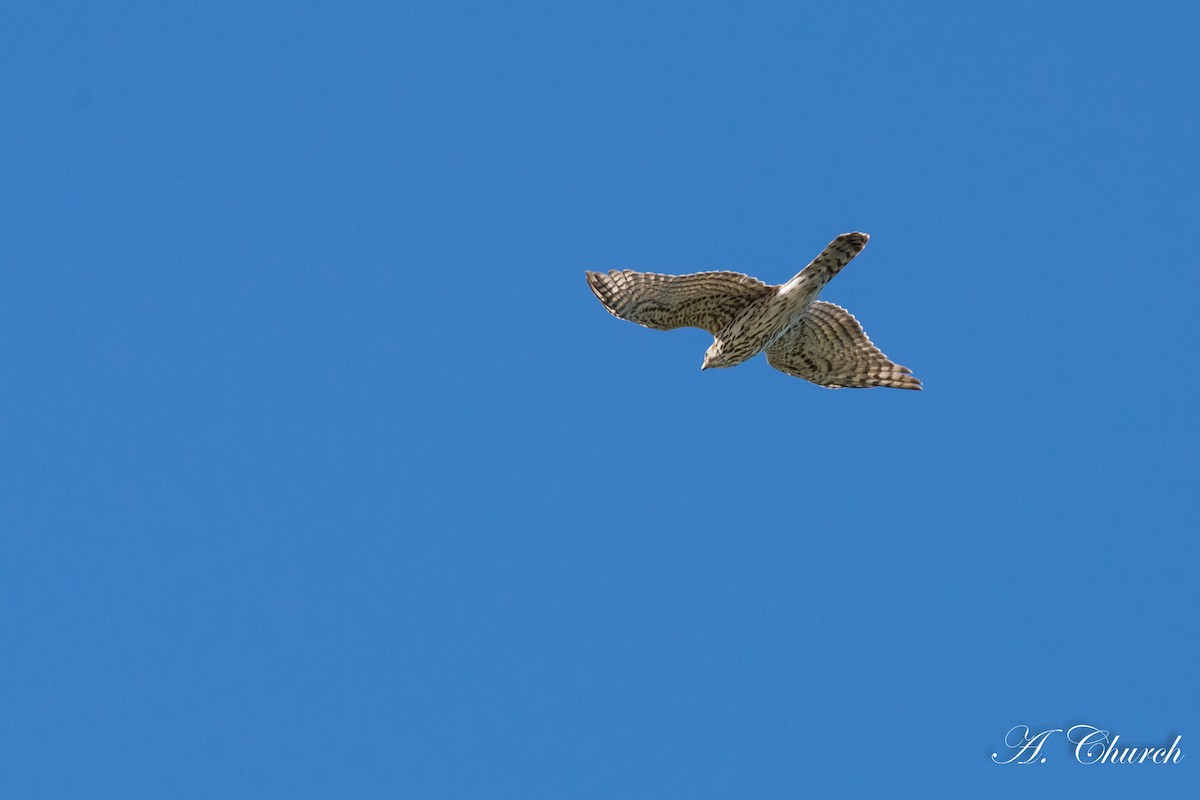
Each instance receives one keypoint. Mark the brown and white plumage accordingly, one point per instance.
(830, 348)
(817, 341)
(706, 300)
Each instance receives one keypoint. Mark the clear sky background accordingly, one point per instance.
(324, 475)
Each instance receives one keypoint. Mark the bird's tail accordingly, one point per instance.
(836, 255)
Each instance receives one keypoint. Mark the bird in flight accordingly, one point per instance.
(802, 336)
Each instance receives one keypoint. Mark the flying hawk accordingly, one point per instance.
(802, 336)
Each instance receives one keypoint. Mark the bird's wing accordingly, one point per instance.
(829, 348)
(707, 300)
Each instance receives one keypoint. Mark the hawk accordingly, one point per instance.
(802, 336)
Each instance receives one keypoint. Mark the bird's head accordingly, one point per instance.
(714, 357)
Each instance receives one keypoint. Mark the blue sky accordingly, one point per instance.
(323, 474)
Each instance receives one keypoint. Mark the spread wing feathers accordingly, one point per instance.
(708, 300)
(829, 348)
